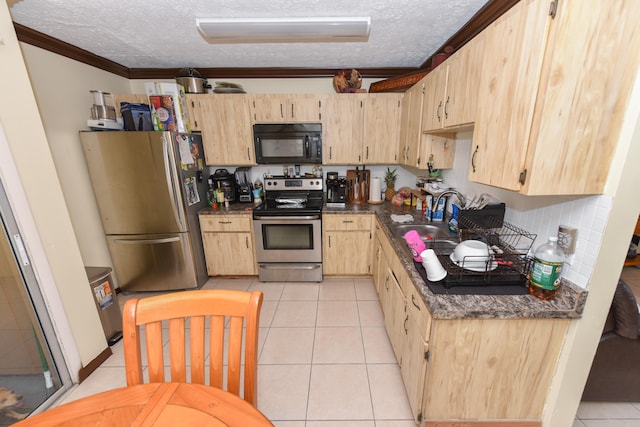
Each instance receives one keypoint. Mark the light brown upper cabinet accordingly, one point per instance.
(381, 127)
(227, 134)
(361, 128)
(451, 90)
(409, 134)
(193, 111)
(417, 149)
(342, 130)
(286, 108)
(553, 92)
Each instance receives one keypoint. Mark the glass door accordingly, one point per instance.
(32, 372)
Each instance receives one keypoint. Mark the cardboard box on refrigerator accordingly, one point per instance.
(176, 92)
(163, 113)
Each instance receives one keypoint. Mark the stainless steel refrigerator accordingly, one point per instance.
(149, 187)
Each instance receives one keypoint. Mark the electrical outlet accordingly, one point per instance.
(567, 237)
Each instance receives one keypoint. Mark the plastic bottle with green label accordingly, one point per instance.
(544, 279)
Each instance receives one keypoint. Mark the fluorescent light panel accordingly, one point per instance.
(284, 30)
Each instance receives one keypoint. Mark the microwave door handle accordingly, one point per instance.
(306, 146)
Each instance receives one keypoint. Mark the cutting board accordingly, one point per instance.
(363, 194)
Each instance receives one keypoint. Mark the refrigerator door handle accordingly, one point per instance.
(172, 186)
(147, 241)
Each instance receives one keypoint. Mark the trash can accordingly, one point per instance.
(106, 301)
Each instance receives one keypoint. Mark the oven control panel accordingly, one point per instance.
(293, 184)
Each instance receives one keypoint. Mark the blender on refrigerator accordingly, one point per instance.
(103, 116)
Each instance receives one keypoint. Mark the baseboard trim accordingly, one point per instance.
(510, 423)
(85, 371)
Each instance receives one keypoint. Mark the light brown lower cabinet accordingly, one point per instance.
(465, 372)
(228, 245)
(346, 244)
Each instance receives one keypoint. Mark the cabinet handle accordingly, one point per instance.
(413, 301)
(330, 152)
(281, 111)
(246, 242)
(248, 154)
(446, 109)
(386, 281)
(347, 221)
(367, 156)
(523, 177)
(292, 115)
(406, 319)
(224, 222)
(329, 240)
(473, 159)
(438, 112)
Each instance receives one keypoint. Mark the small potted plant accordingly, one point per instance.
(390, 181)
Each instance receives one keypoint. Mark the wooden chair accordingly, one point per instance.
(196, 306)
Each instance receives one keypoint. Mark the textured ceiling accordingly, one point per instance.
(163, 34)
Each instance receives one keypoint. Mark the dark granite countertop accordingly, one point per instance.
(568, 304)
(233, 209)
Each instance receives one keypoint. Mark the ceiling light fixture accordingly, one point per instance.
(284, 30)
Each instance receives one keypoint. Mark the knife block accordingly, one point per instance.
(362, 195)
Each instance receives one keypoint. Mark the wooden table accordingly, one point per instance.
(165, 404)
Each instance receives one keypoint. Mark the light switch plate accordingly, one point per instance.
(567, 237)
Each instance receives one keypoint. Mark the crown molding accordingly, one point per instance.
(405, 76)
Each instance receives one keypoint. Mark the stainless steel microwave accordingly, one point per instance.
(288, 143)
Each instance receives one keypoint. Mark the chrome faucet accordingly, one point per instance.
(461, 198)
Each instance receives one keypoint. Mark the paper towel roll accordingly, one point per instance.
(374, 190)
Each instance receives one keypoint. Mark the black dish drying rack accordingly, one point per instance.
(507, 264)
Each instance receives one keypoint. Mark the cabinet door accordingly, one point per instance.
(229, 254)
(227, 131)
(193, 110)
(434, 88)
(269, 108)
(342, 130)
(463, 74)
(395, 313)
(305, 108)
(586, 87)
(414, 366)
(514, 46)
(346, 253)
(414, 128)
(381, 128)
(439, 150)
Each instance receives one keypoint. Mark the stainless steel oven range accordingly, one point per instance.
(288, 230)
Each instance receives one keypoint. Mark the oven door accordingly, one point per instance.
(288, 239)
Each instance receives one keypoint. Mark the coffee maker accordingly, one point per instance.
(336, 190)
(222, 179)
(243, 185)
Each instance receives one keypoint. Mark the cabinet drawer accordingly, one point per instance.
(346, 222)
(418, 311)
(230, 223)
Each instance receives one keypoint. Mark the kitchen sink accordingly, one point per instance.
(435, 231)
(436, 236)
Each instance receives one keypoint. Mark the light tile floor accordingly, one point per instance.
(325, 360)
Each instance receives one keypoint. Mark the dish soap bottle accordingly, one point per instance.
(544, 279)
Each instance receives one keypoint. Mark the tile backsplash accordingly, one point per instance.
(542, 215)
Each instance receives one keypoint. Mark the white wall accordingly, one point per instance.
(62, 90)
(62, 269)
(541, 215)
